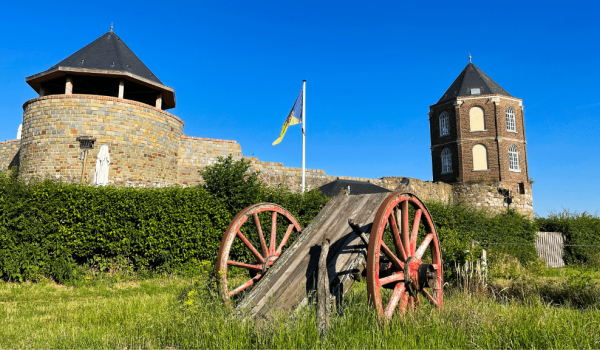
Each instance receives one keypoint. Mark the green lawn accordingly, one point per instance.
(169, 312)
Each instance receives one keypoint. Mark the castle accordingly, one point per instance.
(103, 94)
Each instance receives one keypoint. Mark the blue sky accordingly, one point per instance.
(372, 69)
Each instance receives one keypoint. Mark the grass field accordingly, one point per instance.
(175, 312)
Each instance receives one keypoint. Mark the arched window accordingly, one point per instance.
(446, 161)
(444, 124)
(510, 120)
(513, 158)
(476, 118)
(480, 161)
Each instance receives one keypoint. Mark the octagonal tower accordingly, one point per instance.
(477, 132)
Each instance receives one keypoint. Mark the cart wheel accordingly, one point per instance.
(397, 275)
(247, 235)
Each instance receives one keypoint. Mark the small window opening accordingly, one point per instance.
(521, 188)
(476, 91)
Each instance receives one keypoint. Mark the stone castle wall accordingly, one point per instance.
(9, 154)
(148, 149)
(195, 153)
(143, 140)
(487, 195)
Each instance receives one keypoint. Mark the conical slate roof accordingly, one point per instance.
(473, 78)
(108, 52)
(108, 57)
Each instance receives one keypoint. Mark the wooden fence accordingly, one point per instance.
(549, 246)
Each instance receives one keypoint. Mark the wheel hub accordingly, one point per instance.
(418, 275)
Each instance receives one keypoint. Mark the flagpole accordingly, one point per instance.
(303, 135)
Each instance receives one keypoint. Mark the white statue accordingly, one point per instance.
(102, 164)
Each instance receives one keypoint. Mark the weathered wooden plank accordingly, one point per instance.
(292, 279)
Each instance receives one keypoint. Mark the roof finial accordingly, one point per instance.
(469, 55)
(111, 26)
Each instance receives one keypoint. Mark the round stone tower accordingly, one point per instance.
(478, 142)
(102, 92)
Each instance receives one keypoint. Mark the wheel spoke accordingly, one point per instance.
(245, 285)
(263, 244)
(398, 291)
(399, 276)
(251, 247)
(273, 233)
(411, 303)
(399, 265)
(430, 298)
(404, 226)
(417, 300)
(403, 303)
(419, 253)
(285, 238)
(396, 237)
(415, 231)
(246, 266)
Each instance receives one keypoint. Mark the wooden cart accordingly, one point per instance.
(391, 236)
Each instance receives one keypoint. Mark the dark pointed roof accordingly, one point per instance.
(106, 56)
(108, 52)
(471, 78)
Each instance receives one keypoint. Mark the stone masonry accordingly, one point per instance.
(9, 154)
(148, 149)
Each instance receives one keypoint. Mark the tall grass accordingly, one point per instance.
(174, 313)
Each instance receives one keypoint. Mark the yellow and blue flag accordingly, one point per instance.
(295, 117)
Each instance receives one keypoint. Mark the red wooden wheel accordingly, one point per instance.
(247, 234)
(402, 269)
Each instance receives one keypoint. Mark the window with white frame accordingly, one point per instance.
(513, 158)
(444, 124)
(510, 120)
(446, 161)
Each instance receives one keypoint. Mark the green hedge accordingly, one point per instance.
(506, 232)
(582, 235)
(52, 229)
(47, 228)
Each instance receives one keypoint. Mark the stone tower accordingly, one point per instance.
(102, 92)
(478, 135)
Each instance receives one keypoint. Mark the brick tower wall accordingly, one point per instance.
(495, 138)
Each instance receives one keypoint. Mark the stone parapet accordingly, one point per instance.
(197, 152)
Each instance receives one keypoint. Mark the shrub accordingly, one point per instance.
(582, 235)
(505, 233)
(232, 184)
(48, 228)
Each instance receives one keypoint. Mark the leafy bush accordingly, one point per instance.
(236, 188)
(582, 235)
(232, 184)
(53, 229)
(507, 232)
(48, 228)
